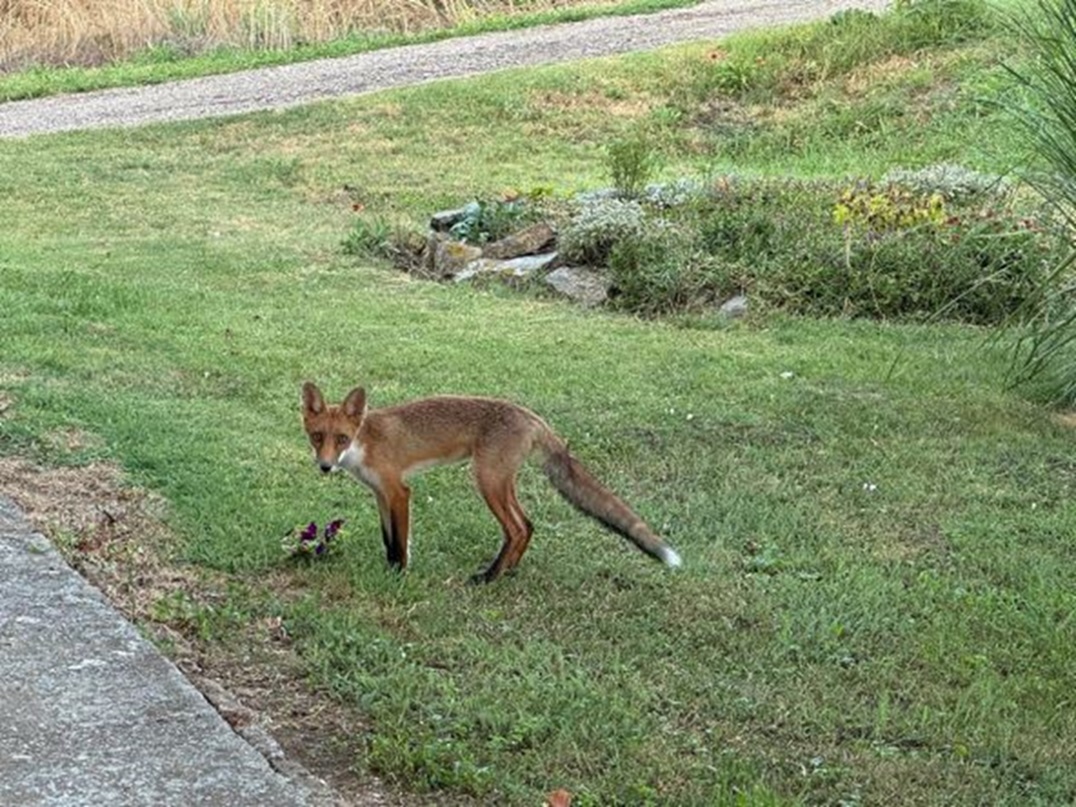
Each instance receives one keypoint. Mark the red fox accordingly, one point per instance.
(382, 447)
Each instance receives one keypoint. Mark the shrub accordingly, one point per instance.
(977, 269)
(662, 273)
(599, 225)
(874, 211)
(891, 253)
(673, 194)
(814, 248)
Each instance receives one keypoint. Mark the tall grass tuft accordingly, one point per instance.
(1044, 355)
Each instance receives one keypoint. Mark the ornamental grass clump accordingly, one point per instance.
(1044, 352)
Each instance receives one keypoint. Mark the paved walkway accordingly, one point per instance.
(92, 715)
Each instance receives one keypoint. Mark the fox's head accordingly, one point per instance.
(331, 428)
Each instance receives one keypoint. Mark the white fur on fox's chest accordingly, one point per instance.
(353, 460)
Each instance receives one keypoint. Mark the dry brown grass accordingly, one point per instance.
(91, 32)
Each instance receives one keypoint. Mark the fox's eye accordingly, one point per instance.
(342, 440)
(317, 438)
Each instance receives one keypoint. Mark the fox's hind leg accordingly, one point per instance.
(499, 494)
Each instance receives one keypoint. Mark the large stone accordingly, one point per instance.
(444, 220)
(446, 258)
(528, 241)
(734, 307)
(587, 286)
(515, 268)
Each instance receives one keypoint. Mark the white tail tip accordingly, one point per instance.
(671, 557)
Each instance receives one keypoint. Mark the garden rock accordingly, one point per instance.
(734, 307)
(445, 220)
(587, 286)
(446, 258)
(514, 268)
(528, 241)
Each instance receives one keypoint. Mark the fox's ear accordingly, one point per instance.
(312, 400)
(355, 403)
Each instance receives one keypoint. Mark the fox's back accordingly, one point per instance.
(452, 427)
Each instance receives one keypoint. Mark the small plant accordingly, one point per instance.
(876, 211)
(485, 221)
(309, 542)
(734, 78)
(369, 236)
(631, 163)
(376, 237)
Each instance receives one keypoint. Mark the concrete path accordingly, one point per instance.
(91, 714)
(291, 85)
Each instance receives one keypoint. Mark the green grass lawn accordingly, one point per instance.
(877, 600)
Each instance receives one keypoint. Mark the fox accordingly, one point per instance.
(383, 447)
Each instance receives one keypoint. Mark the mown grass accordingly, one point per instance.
(877, 600)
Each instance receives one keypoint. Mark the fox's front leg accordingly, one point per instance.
(386, 529)
(394, 507)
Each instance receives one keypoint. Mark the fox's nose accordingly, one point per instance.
(325, 467)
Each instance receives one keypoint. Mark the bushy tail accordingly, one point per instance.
(591, 497)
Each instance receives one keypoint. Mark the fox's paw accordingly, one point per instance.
(489, 575)
(479, 579)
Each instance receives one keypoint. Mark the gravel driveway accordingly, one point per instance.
(291, 85)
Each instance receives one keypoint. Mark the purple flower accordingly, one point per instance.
(309, 541)
(332, 528)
